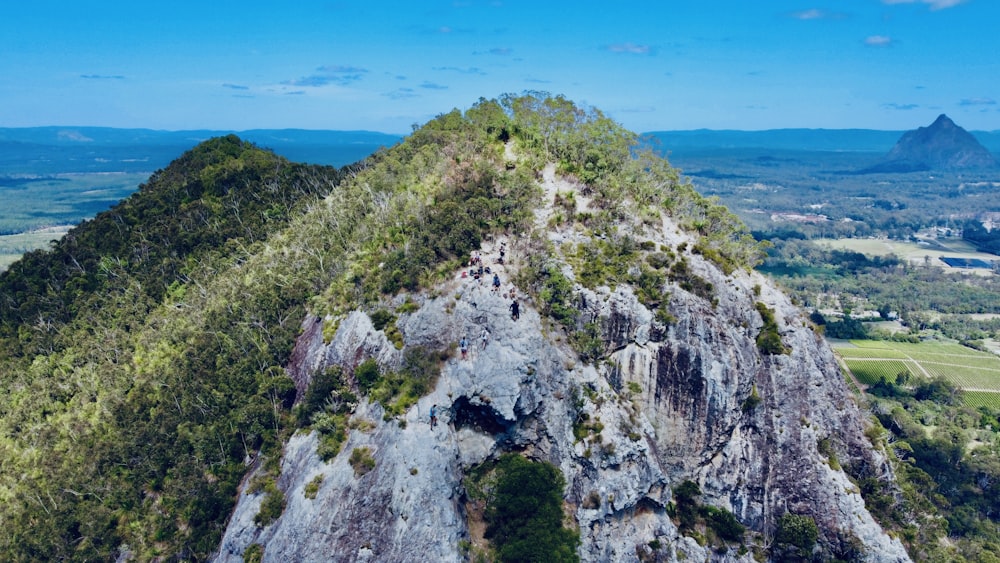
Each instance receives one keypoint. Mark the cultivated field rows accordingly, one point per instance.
(976, 373)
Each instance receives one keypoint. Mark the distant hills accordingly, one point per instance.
(941, 146)
(853, 140)
(843, 140)
(53, 150)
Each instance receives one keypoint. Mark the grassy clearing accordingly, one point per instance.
(977, 373)
(23, 242)
(13, 246)
(909, 251)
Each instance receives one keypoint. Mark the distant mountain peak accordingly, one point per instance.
(943, 121)
(942, 145)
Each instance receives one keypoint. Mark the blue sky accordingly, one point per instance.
(387, 65)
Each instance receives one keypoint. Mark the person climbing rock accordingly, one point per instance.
(463, 345)
(434, 417)
(515, 310)
(485, 337)
(496, 283)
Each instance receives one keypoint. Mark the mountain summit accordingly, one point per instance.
(255, 360)
(941, 146)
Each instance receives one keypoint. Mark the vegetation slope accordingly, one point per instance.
(142, 358)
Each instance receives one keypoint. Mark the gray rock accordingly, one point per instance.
(671, 400)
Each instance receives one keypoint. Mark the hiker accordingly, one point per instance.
(485, 337)
(515, 310)
(434, 415)
(503, 250)
(464, 347)
(496, 283)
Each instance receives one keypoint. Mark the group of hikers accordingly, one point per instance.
(463, 344)
(477, 270)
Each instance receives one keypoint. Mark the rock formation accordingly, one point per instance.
(687, 397)
(941, 146)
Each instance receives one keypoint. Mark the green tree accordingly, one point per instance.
(796, 536)
(524, 517)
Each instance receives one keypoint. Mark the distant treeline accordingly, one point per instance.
(852, 140)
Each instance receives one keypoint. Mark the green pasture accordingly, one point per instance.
(976, 373)
(909, 251)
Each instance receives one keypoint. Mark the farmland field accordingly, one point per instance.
(32, 203)
(13, 246)
(870, 371)
(977, 373)
(976, 399)
(911, 251)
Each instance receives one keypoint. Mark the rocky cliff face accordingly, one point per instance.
(690, 399)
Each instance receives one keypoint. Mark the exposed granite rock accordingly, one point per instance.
(672, 400)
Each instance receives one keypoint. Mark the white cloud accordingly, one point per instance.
(934, 4)
(630, 48)
(812, 14)
(878, 41)
(817, 14)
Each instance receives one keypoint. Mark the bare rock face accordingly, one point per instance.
(748, 425)
(692, 400)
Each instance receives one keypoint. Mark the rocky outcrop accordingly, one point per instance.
(692, 400)
(942, 145)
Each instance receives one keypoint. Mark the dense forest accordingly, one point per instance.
(129, 408)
